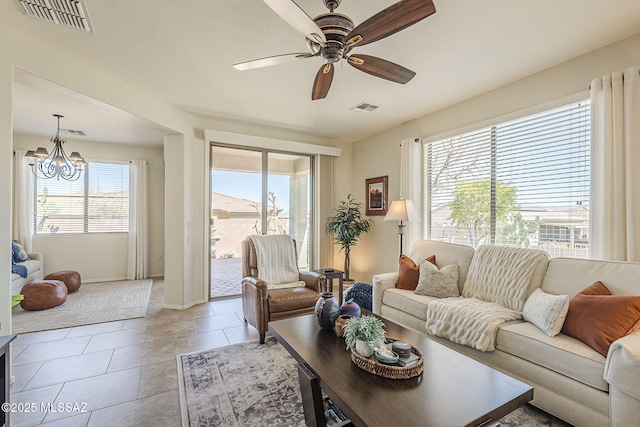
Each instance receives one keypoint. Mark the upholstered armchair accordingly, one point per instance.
(272, 286)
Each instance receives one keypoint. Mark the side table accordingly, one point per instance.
(331, 274)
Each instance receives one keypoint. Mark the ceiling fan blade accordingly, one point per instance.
(381, 68)
(389, 21)
(297, 18)
(322, 83)
(271, 60)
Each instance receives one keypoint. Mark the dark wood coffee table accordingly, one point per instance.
(453, 390)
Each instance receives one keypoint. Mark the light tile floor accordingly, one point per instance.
(125, 371)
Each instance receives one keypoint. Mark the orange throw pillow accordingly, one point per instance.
(409, 272)
(598, 318)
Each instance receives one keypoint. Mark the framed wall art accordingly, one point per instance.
(377, 195)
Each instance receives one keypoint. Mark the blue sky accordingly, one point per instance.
(249, 185)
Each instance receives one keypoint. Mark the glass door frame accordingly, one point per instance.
(313, 222)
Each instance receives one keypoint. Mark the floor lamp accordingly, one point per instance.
(401, 210)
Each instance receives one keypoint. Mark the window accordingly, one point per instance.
(98, 202)
(520, 183)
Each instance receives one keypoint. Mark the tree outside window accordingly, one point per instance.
(472, 205)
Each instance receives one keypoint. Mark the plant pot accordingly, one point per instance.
(327, 310)
(364, 349)
(340, 322)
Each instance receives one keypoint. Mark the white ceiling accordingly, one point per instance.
(182, 52)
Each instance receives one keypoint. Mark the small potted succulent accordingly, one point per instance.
(362, 334)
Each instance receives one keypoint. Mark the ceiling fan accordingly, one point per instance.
(332, 36)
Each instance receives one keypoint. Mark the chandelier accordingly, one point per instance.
(57, 164)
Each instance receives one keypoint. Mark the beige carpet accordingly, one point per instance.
(92, 303)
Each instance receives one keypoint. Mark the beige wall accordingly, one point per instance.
(186, 224)
(380, 154)
(20, 50)
(6, 157)
(100, 257)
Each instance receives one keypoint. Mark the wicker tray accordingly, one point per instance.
(371, 364)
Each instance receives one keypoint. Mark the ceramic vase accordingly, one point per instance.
(327, 310)
(364, 348)
(350, 307)
(340, 322)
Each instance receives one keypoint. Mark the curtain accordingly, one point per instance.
(138, 250)
(324, 179)
(615, 175)
(411, 187)
(22, 201)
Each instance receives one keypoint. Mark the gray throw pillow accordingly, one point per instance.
(439, 283)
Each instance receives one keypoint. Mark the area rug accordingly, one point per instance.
(249, 384)
(92, 303)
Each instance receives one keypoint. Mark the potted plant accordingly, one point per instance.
(347, 224)
(364, 333)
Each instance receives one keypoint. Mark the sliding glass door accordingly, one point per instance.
(289, 201)
(256, 192)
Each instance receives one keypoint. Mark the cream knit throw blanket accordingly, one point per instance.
(502, 275)
(277, 264)
(468, 321)
(494, 293)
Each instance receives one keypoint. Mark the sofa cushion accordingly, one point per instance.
(285, 300)
(570, 275)
(546, 311)
(409, 272)
(598, 318)
(505, 275)
(439, 283)
(561, 354)
(407, 301)
(32, 265)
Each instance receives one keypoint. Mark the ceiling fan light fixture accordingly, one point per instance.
(334, 28)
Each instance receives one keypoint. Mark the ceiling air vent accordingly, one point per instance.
(70, 13)
(364, 107)
(73, 132)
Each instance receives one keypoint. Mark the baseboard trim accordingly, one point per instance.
(108, 279)
(182, 307)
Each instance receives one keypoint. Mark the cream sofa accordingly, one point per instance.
(570, 379)
(34, 272)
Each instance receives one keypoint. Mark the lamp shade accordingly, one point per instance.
(401, 210)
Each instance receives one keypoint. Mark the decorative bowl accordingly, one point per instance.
(402, 348)
(387, 360)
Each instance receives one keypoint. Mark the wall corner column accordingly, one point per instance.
(6, 180)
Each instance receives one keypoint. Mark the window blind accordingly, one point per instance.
(520, 183)
(98, 202)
